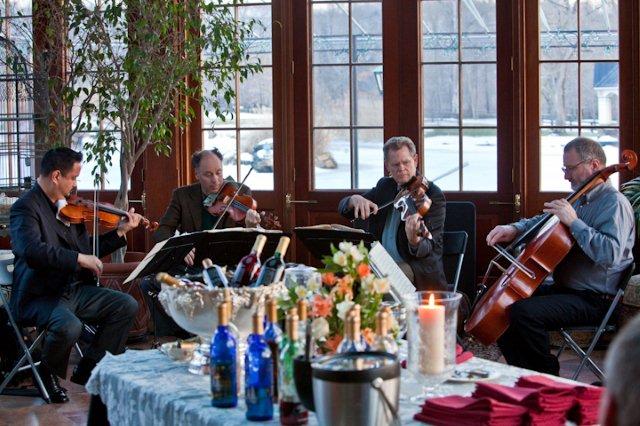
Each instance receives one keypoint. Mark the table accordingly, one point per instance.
(147, 388)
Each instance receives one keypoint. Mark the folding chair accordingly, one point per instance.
(454, 246)
(5, 282)
(598, 330)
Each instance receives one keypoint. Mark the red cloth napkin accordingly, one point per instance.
(547, 406)
(587, 398)
(463, 410)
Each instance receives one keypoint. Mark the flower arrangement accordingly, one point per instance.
(346, 280)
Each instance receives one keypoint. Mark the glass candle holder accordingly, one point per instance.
(432, 318)
(300, 276)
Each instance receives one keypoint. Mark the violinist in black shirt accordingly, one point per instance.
(417, 250)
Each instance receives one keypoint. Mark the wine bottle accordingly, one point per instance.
(224, 388)
(292, 412)
(352, 340)
(213, 275)
(383, 341)
(273, 336)
(273, 268)
(249, 265)
(258, 374)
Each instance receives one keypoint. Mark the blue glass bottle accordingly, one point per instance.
(224, 387)
(258, 374)
(273, 335)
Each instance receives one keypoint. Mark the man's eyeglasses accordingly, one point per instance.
(566, 169)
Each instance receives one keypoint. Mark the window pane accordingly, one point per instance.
(558, 94)
(552, 142)
(330, 33)
(441, 158)
(479, 159)
(366, 27)
(558, 29)
(332, 153)
(479, 95)
(599, 29)
(256, 100)
(439, 31)
(440, 95)
(15, 7)
(478, 20)
(257, 151)
(370, 158)
(367, 103)
(86, 178)
(225, 141)
(599, 93)
(259, 41)
(209, 118)
(331, 96)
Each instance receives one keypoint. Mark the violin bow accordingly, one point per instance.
(232, 198)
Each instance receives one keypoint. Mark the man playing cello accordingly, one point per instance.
(602, 224)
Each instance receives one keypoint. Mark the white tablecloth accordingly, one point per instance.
(147, 388)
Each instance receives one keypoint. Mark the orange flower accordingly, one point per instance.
(344, 285)
(328, 278)
(332, 343)
(321, 306)
(369, 335)
(363, 270)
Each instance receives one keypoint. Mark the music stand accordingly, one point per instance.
(318, 239)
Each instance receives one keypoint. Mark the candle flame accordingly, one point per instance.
(431, 301)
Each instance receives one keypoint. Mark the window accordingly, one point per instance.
(459, 94)
(347, 93)
(579, 82)
(245, 138)
(16, 95)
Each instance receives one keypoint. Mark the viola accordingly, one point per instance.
(80, 210)
(226, 199)
(545, 246)
(413, 199)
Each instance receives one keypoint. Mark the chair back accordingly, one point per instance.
(454, 247)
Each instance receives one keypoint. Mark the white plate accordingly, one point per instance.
(465, 375)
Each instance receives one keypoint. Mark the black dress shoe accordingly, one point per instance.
(82, 372)
(57, 393)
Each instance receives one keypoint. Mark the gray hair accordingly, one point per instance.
(623, 373)
(398, 142)
(199, 155)
(587, 148)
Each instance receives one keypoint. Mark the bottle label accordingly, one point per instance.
(223, 381)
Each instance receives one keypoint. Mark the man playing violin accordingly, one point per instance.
(54, 278)
(189, 211)
(418, 251)
(602, 223)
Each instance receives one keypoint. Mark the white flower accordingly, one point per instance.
(319, 328)
(343, 307)
(367, 283)
(345, 246)
(314, 284)
(340, 259)
(301, 291)
(381, 285)
(356, 254)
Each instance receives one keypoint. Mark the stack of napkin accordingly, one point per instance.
(547, 406)
(463, 410)
(587, 398)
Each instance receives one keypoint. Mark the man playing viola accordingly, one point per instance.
(54, 278)
(602, 223)
(189, 211)
(419, 254)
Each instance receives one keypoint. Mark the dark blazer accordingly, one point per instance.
(185, 213)
(46, 254)
(428, 270)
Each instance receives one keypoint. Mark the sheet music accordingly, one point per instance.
(143, 263)
(383, 265)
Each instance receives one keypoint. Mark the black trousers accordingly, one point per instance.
(526, 342)
(112, 312)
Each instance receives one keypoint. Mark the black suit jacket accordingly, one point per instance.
(428, 270)
(185, 213)
(46, 254)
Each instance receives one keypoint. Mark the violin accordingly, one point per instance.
(79, 210)
(413, 199)
(226, 199)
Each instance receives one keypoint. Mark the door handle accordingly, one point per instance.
(516, 203)
(288, 201)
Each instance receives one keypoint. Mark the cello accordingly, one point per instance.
(546, 245)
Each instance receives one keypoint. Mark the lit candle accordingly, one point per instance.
(431, 319)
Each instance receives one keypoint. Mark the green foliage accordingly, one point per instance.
(631, 190)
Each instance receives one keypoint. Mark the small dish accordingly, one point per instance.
(472, 375)
(178, 351)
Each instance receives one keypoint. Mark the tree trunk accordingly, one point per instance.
(122, 201)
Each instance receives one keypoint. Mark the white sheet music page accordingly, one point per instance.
(143, 263)
(383, 265)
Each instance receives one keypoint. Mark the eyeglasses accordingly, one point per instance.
(566, 169)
